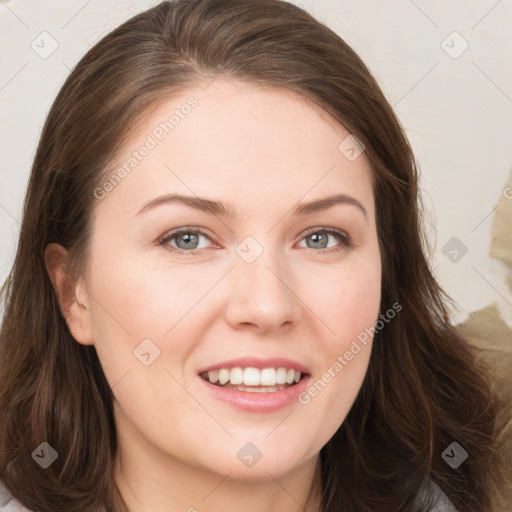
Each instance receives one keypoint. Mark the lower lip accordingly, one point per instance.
(258, 402)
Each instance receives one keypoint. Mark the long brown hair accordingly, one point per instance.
(422, 390)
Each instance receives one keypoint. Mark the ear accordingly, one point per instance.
(72, 296)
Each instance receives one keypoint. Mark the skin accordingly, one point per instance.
(260, 150)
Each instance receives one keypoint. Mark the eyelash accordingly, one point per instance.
(341, 235)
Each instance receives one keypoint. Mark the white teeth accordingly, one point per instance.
(236, 376)
(213, 376)
(268, 377)
(223, 376)
(250, 376)
(281, 376)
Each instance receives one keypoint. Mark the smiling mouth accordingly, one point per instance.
(254, 380)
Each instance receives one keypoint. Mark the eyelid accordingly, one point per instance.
(320, 229)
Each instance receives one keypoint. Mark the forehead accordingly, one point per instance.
(248, 144)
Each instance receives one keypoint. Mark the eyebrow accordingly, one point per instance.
(219, 208)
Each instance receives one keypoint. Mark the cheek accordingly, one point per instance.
(145, 301)
(137, 301)
(346, 300)
(350, 309)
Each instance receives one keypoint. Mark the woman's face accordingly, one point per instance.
(269, 280)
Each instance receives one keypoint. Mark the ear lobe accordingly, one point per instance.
(74, 307)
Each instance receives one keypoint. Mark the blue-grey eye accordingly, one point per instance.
(186, 240)
(320, 239)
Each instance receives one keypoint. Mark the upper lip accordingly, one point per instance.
(253, 362)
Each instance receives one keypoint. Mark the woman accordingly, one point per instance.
(221, 299)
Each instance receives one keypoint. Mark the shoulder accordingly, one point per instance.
(8, 503)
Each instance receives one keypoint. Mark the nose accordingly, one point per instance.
(262, 294)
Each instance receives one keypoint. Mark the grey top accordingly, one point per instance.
(441, 503)
(10, 504)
